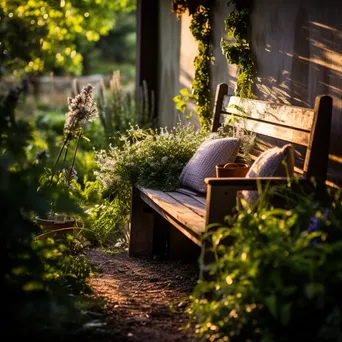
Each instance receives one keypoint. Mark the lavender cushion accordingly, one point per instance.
(275, 162)
(202, 164)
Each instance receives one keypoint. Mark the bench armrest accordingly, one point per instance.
(251, 183)
(222, 193)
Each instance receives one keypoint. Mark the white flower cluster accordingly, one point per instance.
(82, 109)
(151, 158)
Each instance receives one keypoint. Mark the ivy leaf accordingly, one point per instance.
(184, 92)
(181, 106)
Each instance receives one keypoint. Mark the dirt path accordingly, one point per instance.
(139, 294)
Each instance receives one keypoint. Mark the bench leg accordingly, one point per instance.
(180, 247)
(141, 228)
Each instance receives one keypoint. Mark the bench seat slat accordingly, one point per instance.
(201, 199)
(173, 210)
(280, 114)
(188, 201)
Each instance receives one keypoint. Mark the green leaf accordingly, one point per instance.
(33, 286)
(85, 138)
(177, 98)
(181, 106)
(271, 303)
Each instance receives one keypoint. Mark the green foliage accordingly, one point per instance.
(106, 222)
(120, 43)
(121, 109)
(200, 28)
(239, 51)
(280, 277)
(151, 158)
(116, 50)
(39, 276)
(181, 101)
(38, 35)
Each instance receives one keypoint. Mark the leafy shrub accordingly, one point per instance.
(121, 109)
(280, 278)
(38, 277)
(151, 158)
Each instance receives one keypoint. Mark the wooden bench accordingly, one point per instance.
(173, 222)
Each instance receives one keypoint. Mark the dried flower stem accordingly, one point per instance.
(65, 142)
(74, 156)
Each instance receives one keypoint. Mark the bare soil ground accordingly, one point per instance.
(146, 299)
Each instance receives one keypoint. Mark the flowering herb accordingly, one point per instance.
(82, 109)
(315, 223)
(151, 158)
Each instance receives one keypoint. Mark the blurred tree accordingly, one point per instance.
(45, 34)
(114, 50)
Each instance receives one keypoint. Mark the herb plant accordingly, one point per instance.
(40, 277)
(150, 158)
(280, 278)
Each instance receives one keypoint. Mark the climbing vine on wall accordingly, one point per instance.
(200, 28)
(236, 46)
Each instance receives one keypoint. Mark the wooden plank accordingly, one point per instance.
(276, 113)
(221, 91)
(184, 219)
(201, 199)
(193, 194)
(316, 161)
(147, 50)
(269, 129)
(196, 206)
(175, 209)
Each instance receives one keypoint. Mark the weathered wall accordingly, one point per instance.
(220, 70)
(298, 53)
(177, 50)
(298, 50)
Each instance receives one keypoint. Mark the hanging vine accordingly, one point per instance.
(239, 51)
(236, 48)
(200, 28)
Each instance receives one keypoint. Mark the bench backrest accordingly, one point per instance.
(276, 124)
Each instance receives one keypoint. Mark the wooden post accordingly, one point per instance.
(147, 48)
(141, 228)
(221, 91)
(317, 155)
